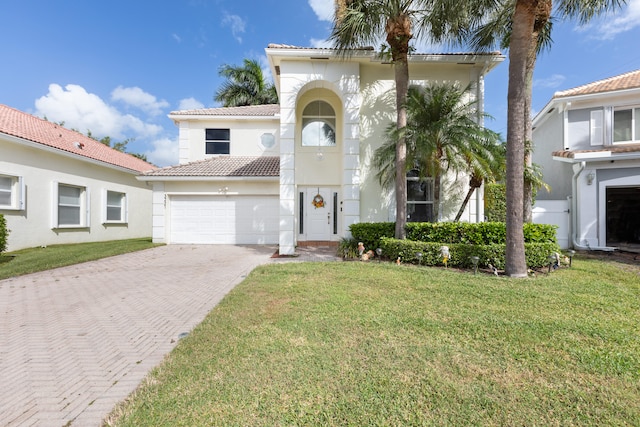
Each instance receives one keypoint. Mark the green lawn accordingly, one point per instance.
(32, 260)
(359, 344)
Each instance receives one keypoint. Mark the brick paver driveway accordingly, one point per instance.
(75, 341)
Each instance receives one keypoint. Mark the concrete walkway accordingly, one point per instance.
(77, 340)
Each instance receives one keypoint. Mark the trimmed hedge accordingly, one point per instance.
(460, 253)
(4, 233)
(487, 240)
(482, 233)
(370, 233)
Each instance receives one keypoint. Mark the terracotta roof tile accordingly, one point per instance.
(22, 125)
(225, 166)
(630, 80)
(371, 49)
(615, 149)
(248, 110)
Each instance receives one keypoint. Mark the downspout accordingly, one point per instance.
(574, 216)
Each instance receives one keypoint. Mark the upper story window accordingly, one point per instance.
(318, 125)
(217, 141)
(419, 198)
(115, 207)
(11, 192)
(71, 206)
(626, 125)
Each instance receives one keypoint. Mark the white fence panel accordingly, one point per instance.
(554, 212)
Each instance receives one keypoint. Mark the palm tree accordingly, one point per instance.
(361, 23)
(442, 135)
(523, 37)
(524, 27)
(496, 31)
(245, 85)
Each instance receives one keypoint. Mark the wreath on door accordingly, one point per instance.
(318, 201)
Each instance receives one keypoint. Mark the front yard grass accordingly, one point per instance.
(32, 260)
(378, 344)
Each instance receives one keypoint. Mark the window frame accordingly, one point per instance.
(83, 206)
(322, 118)
(427, 181)
(215, 143)
(16, 193)
(123, 207)
(634, 125)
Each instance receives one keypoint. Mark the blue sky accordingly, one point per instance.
(118, 68)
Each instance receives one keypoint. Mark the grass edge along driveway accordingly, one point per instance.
(33, 260)
(379, 344)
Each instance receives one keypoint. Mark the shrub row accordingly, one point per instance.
(483, 233)
(460, 253)
(4, 233)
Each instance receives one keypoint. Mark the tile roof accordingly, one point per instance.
(630, 80)
(225, 166)
(371, 49)
(268, 110)
(614, 149)
(25, 126)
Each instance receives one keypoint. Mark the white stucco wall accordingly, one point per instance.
(245, 137)
(547, 138)
(40, 168)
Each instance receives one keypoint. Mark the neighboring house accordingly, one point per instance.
(587, 140)
(301, 171)
(59, 186)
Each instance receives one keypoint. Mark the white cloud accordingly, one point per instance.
(237, 25)
(85, 111)
(550, 82)
(323, 9)
(164, 152)
(190, 104)
(609, 26)
(176, 37)
(138, 98)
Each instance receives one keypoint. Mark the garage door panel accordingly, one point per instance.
(224, 220)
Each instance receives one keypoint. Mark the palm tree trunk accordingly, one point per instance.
(543, 14)
(402, 86)
(464, 204)
(521, 38)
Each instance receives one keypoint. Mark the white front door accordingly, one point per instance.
(317, 214)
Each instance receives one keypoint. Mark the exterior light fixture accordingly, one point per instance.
(590, 177)
(475, 260)
(379, 253)
(571, 253)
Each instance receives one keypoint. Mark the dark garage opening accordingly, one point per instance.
(623, 216)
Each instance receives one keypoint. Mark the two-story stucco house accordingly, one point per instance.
(587, 140)
(58, 186)
(301, 171)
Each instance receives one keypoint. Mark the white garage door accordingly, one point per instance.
(240, 220)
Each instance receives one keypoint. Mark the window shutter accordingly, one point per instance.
(21, 193)
(125, 208)
(54, 204)
(597, 129)
(104, 196)
(87, 200)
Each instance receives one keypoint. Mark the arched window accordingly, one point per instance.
(318, 125)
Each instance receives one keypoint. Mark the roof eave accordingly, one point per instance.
(190, 178)
(65, 153)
